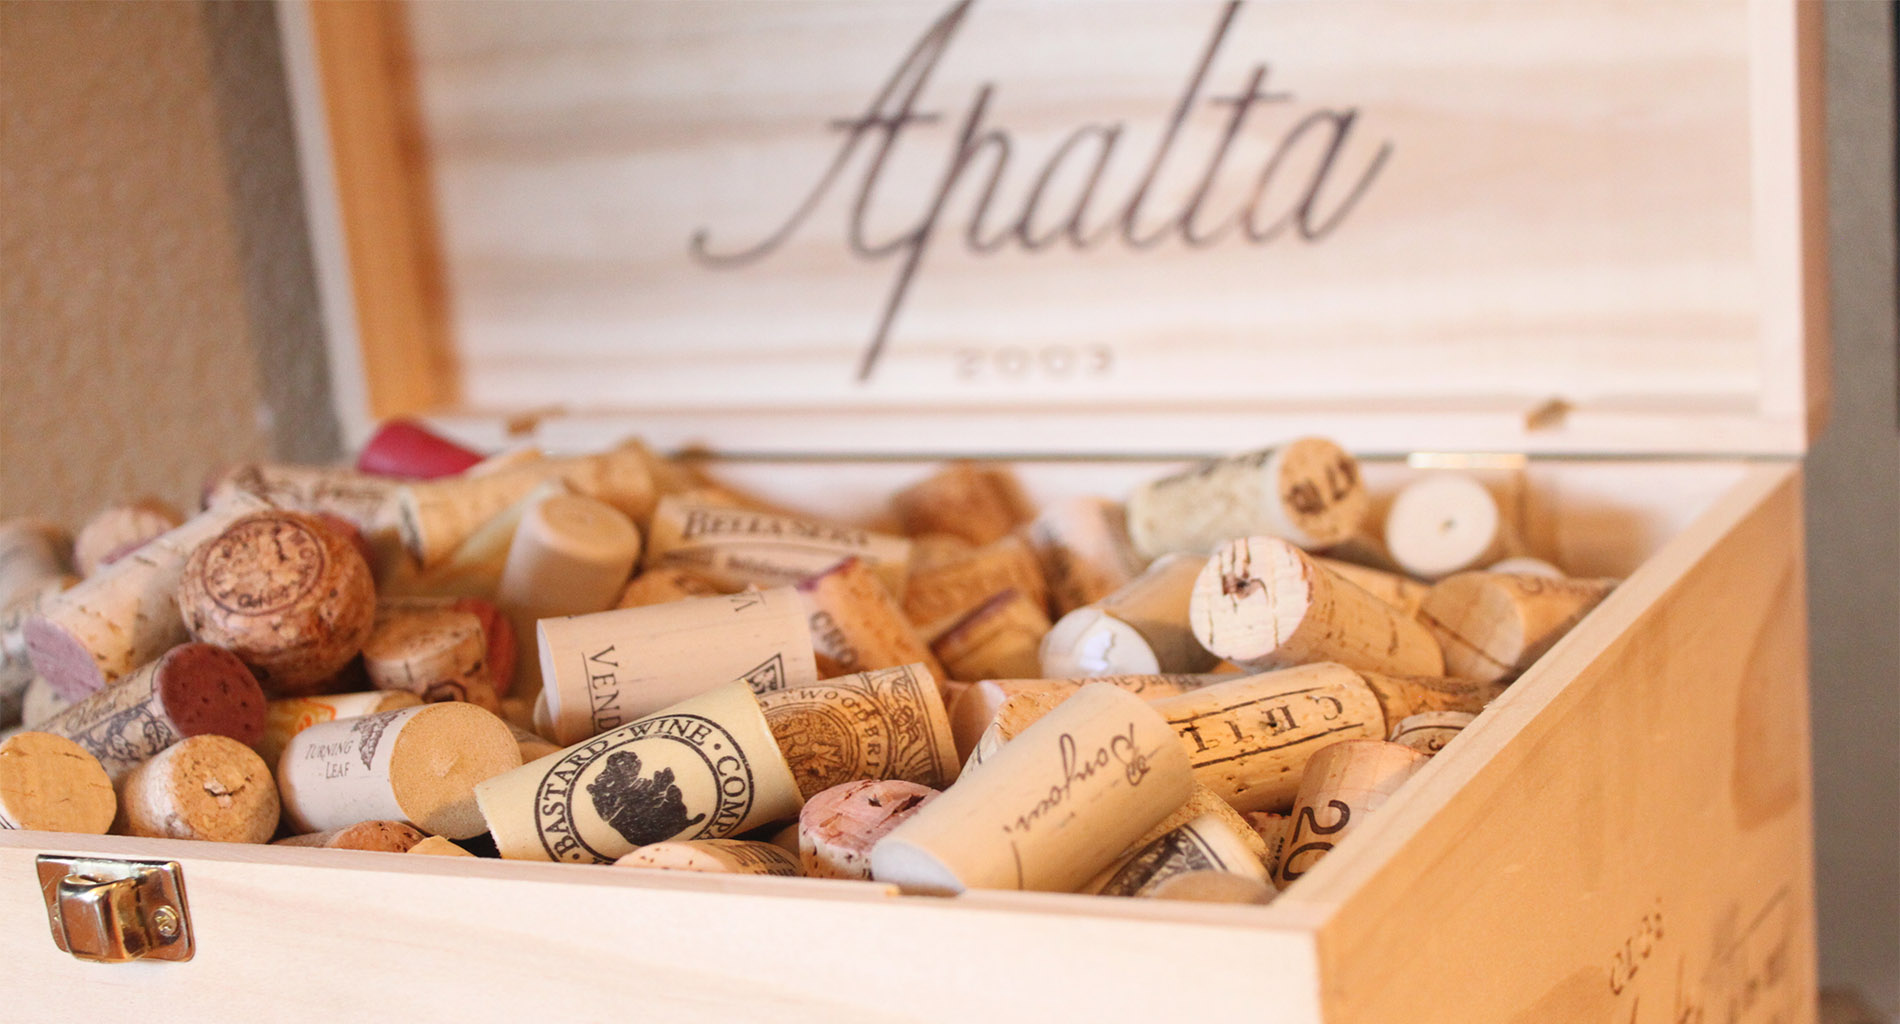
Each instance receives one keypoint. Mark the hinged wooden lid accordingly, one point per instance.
(1077, 228)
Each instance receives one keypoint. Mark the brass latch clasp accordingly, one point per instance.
(116, 911)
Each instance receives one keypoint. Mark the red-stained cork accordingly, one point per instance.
(405, 448)
(193, 689)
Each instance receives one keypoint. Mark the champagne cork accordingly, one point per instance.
(735, 547)
(979, 504)
(1429, 731)
(941, 594)
(714, 856)
(1343, 783)
(438, 515)
(1524, 565)
(126, 614)
(1401, 592)
(284, 592)
(1274, 830)
(51, 784)
(975, 708)
(1207, 843)
(16, 667)
(406, 448)
(838, 827)
(1000, 639)
(604, 670)
(32, 553)
(117, 530)
(426, 651)
(856, 625)
(1248, 740)
(571, 555)
(1444, 523)
(191, 690)
(418, 765)
(1492, 627)
(205, 787)
(1404, 696)
(705, 768)
(1306, 492)
(1141, 629)
(370, 836)
(1085, 551)
(436, 846)
(1212, 887)
(1050, 809)
(885, 724)
(1261, 603)
(1016, 714)
(40, 703)
(291, 715)
(663, 584)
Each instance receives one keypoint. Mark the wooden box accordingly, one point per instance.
(1447, 233)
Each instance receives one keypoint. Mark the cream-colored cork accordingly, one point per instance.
(437, 846)
(705, 768)
(942, 593)
(1429, 731)
(839, 826)
(1248, 740)
(604, 670)
(40, 703)
(1401, 592)
(1307, 492)
(1447, 522)
(978, 503)
(1051, 808)
(883, 724)
(52, 784)
(660, 585)
(116, 530)
(1085, 551)
(203, 787)
(291, 715)
(1142, 629)
(473, 567)
(1016, 714)
(571, 555)
(437, 516)
(371, 836)
(1209, 842)
(713, 856)
(1493, 626)
(975, 708)
(430, 652)
(735, 547)
(1000, 639)
(1210, 886)
(285, 592)
(32, 553)
(417, 765)
(856, 625)
(1262, 603)
(1343, 783)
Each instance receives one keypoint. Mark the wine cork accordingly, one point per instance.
(940, 594)
(735, 547)
(663, 584)
(885, 724)
(291, 715)
(1207, 843)
(1273, 829)
(1343, 783)
(604, 670)
(1307, 492)
(370, 836)
(1524, 565)
(571, 555)
(1429, 731)
(473, 567)
(1000, 639)
(1203, 802)
(204, 787)
(714, 856)
(16, 667)
(1085, 551)
(284, 592)
(437, 846)
(1405, 696)
(1261, 603)
(533, 747)
(978, 503)
(705, 768)
(117, 530)
(1209, 886)
(366, 502)
(1248, 740)
(32, 553)
(126, 614)
(191, 690)
(513, 457)
(1492, 627)
(975, 708)
(418, 765)
(838, 827)
(1444, 523)
(1016, 714)
(51, 784)
(426, 650)
(1142, 629)
(467, 691)
(935, 550)
(406, 448)
(40, 703)
(856, 624)
(497, 632)
(1401, 592)
(438, 515)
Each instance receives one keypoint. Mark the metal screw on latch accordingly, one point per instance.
(165, 922)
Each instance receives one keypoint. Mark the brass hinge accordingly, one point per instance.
(116, 911)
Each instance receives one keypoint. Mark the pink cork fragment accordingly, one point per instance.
(405, 448)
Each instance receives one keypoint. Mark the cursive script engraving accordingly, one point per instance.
(1311, 208)
(1120, 750)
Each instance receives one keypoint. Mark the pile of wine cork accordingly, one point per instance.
(1194, 690)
